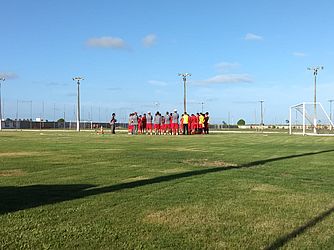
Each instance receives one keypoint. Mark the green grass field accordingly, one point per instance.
(64, 190)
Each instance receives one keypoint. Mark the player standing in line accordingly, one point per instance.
(149, 119)
(143, 121)
(130, 127)
(206, 123)
(175, 123)
(189, 124)
(197, 123)
(185, 120)
(135, 123)
(201, 123)
(167, 123)
(163, 125)
(181, 125)
(193, 124)
(112, 123)
(140, 124)
(157, 123)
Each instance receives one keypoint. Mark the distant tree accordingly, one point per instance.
(61, 120)
(241, 122)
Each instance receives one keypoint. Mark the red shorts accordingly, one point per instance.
(157, 126)
(175, 126)
(149, 126)
(167, 126)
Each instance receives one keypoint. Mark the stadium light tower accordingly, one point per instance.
(315, 73)
(184, 78)
(330, 109)
(78, 79)
(1, 80)
(261, 102)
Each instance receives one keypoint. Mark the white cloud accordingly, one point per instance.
(253, 37)
(8, 75)
(228, 78)
(299, 54)
(107, 42)
(226, 66)
(157, 83)
(149, 40)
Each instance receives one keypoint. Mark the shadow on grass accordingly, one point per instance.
(281, 241)
(20, 198)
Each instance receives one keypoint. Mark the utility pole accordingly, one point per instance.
(17, 113)
(315, 73)
(64, 116)
(2, 79)
(78, 79)
(31, 114)
(184, 78)
(54, 116)
(202, 107)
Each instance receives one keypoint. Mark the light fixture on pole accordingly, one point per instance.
(78, 79)
(315, 73)
(184, 78)
(1, 80)
(262, 123)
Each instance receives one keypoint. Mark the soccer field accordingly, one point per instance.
(67, 190)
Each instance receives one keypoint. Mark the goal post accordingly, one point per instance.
(309, 118)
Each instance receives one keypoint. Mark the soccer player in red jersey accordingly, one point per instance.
(140, 124)
(163, 125)
(143, 121)
(130, 126)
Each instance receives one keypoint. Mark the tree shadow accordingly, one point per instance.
(20, 198)
(281, 241)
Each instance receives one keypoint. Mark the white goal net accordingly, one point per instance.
(309, 118)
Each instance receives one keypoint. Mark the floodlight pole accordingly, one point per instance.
(330, 111)
(184, 78)
(315, 73)
(261, 102)
(2, 79)
(78, 79)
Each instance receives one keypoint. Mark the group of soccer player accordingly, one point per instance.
(168, 124)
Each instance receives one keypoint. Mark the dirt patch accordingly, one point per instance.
(172, 170)
(137, 178)
(14, 172)
(208, 163)
(186, 216)
(21, 154)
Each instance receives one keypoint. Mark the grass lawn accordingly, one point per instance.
(67, 190)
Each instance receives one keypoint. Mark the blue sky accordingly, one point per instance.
(130, 52)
